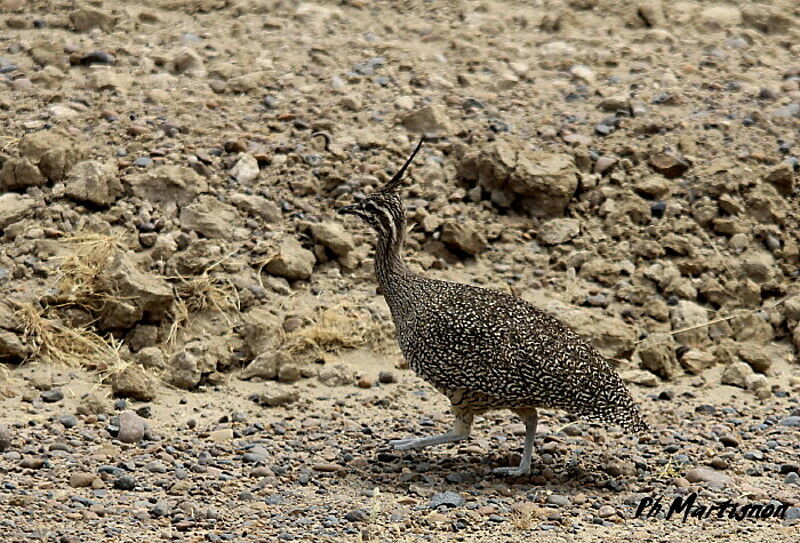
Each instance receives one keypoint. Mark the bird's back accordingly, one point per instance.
(475, 340)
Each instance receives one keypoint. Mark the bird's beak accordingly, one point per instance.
(348, 210)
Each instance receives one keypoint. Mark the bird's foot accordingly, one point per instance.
(518, 471)
(402, 444)
(419, 442)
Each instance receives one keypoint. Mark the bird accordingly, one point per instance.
(484, 349)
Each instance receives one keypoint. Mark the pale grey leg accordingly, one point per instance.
(530, 417)
(459, 432)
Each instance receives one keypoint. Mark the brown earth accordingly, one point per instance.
(192, 346)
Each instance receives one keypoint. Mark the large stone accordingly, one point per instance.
(266, 365)
(758, 265)
(713, 478)
(134, 382)
(430, 120)
(639, 377)
(14, 207)
(333, 236)
(94, 182)
(260, 331)
(246, 169)
(51, 152)
(131, 427)
(339, 374)
(151, 295)
(668, 165)
(559, 231)
(657, 353)
(541, 181)
(791, 308)
(257, 206)
(768, 19)
(782, 177)
(85, 19)
(168, 183)
(185, 371)
(695, 361)
(19, 174)
(688, 314)
(210, 217)
(736, 374)
(463, 237)
(755, 354)
(11, 346)
(292, 262)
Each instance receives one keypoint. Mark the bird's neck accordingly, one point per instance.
(390, 268)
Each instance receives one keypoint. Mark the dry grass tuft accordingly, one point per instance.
(333, 329)
(50, 339)
(79, 272)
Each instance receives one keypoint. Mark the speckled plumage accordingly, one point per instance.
(486, 349)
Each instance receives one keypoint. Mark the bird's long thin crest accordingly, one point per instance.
(395, 181)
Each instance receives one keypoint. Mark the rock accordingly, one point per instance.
(85, 19)
(463, 237)
(339, 374)
(752, 327)
(151, 358)
(720, 16)
(185, 367)
(257, 206)
(210, 217)
(652, 187)
(639, 377)
(134, 382)
(150, 295)
(277, 398)
(687, 314)
(19, 174)
(668, 165)
(220, 436)
(246, 169)
(6, 437)
(791, 309)
(759, 358)
(14, 207)
(766, 18)
(657, 353)
(93, 182)
(131, 427)
(186, 60)
(82, 479)
(327, 467)
(758, 265)
(449, 499)
(790, 422)
(51, 152)
(782, 177)
(94, 403)
(695, 361)
(52, 396)
(736, 374)
(606, 511)
(125, 482)
(557, 231)
(292, 262)
(266, 365)
(168, 183)
(714, 478)
(68, 421)
(543, 182)
(333, 236)
(386, 378)
(766, 205)
(430, 120)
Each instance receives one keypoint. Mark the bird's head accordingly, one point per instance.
(382, 209)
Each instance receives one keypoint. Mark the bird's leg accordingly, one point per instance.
(530, 417)
(460, 431)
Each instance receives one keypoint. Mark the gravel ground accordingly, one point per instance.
(191, 344)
